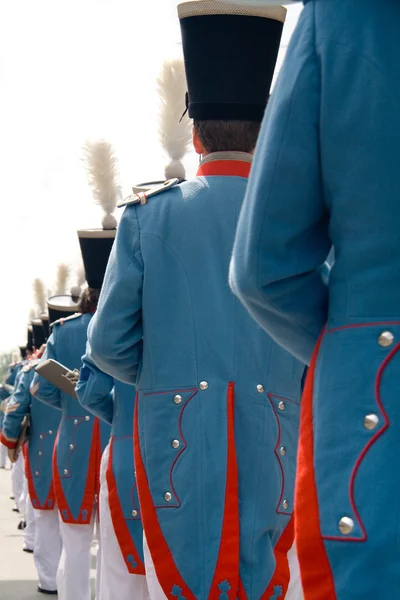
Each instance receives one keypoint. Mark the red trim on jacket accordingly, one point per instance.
(121, 529)
(92, 477)
(227, 569)
(164, 564)
(232, 168)
(226, 576)
(316, 574)
(11, 444)
(281, 576)
(50, 502)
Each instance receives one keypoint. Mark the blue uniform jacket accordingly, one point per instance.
(114, 402)
(218, 402)
(81, 439)
(44, 423)
(326, 172)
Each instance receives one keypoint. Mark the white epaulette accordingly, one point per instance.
(62, 321)
(143, 197)
(31, 365)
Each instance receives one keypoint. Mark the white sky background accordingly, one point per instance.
(70, 71)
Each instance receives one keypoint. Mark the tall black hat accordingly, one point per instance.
(230, 56)
(30, 344)
(61, 307)
(45, 326)
(96, 246)
(38, 333)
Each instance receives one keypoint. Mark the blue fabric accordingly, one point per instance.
(44, 423)
(67, 345)
(114, 402)
(326, 173)
(167, 320)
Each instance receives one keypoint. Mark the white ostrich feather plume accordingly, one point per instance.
(175, 132)
(39, 291)
(62, 279)
(32, 314)
(102, 171)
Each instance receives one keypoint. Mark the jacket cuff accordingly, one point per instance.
(11, 444)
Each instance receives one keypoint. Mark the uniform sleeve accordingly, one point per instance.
(115, 332)
(41, 388)
(282, 237)
(16, 409)
(95, 390)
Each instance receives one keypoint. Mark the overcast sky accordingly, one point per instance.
(70, 71)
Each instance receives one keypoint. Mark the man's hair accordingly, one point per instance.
(228, 136)
(88, 300)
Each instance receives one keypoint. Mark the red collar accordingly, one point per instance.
(222, 165)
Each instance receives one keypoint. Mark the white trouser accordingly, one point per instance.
(294, 592)
(29, 531)
(17, 479)
(47, 548)
(3, 456)
(73, 575)
(155, 589)
(116, 581)
(23, 499)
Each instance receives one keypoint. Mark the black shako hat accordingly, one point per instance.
(38, 333)
(29, 344)
(230, 56)
(96, 246)
(45, 326)
(61, 307)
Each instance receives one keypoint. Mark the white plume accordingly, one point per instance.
(32, 314)
(40, 295)
(76, 290)
(175, 132)
(102, 171)
(62, 278)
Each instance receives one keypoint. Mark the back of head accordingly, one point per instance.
(88, 300)
(227, 136)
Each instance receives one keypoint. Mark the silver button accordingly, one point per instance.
(175, 443)
(134, 473)
(203, 385)
(75, 421)
(177, 399)
(386, 339)
(65, 471)
(346, 525)
(134, 513)
(168, 496)
(282, 451)
(40, 436)
(37, 473)
(50, 432)
(87, 418)
(71, 446)
(281, 405)
(260, 389)
(371, 421)
(285, 504)
(40, 453)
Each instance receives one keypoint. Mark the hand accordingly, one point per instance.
(12, 455)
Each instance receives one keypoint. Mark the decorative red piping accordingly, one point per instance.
(167, 572)
(365, 450)
(359, 325)
(278, 443)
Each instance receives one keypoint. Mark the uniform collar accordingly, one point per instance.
(234, 164)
